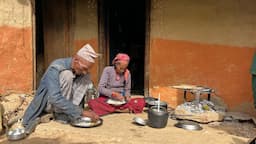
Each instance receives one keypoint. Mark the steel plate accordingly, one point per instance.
(188, 125)
(115, 102)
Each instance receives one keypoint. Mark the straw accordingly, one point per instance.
(158, 105)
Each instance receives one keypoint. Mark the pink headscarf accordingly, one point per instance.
(121, 57)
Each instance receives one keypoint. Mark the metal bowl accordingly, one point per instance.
(188, 125)
(16, 134)
(85, 122)
(139, 121)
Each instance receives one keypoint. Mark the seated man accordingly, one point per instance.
(62, 89)
(115, 83)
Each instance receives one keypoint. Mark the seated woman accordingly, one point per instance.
(115, 83)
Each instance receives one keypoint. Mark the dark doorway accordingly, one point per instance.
(40, 67)
(53, 32)
(125, 22)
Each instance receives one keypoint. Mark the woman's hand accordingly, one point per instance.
(91, 115)
(117, 96)
(127, 98)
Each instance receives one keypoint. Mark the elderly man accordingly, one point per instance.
(62, 89)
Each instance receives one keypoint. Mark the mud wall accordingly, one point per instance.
(15, 46)
(208, 43)
(86, 29)
(16, 40)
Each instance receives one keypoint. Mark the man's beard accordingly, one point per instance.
(74, 72)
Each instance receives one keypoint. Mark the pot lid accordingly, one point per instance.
(139, 121)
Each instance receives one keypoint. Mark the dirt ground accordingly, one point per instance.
(119, 128)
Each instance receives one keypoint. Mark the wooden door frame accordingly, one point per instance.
(104, 46)
(69, 47)
(33, 14)
(147, 48)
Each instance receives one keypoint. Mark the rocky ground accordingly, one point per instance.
(119, 128)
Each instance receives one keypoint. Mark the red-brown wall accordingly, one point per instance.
(208, 43)
(226, 69)
(16, 53)
(16, 59)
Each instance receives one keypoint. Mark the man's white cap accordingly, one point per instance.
(87, 53)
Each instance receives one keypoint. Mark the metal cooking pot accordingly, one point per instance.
(157, 119)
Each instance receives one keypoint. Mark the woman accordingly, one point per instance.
(115, 83)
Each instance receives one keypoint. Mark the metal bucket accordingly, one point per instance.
(157, 119)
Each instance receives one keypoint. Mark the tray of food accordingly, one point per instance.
(115, 102)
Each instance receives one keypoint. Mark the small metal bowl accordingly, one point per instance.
(188, 125)
(16, 134)
(85, 122)
(139, 121)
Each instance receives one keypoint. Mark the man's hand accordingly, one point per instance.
(91, 115)
(117, 96)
